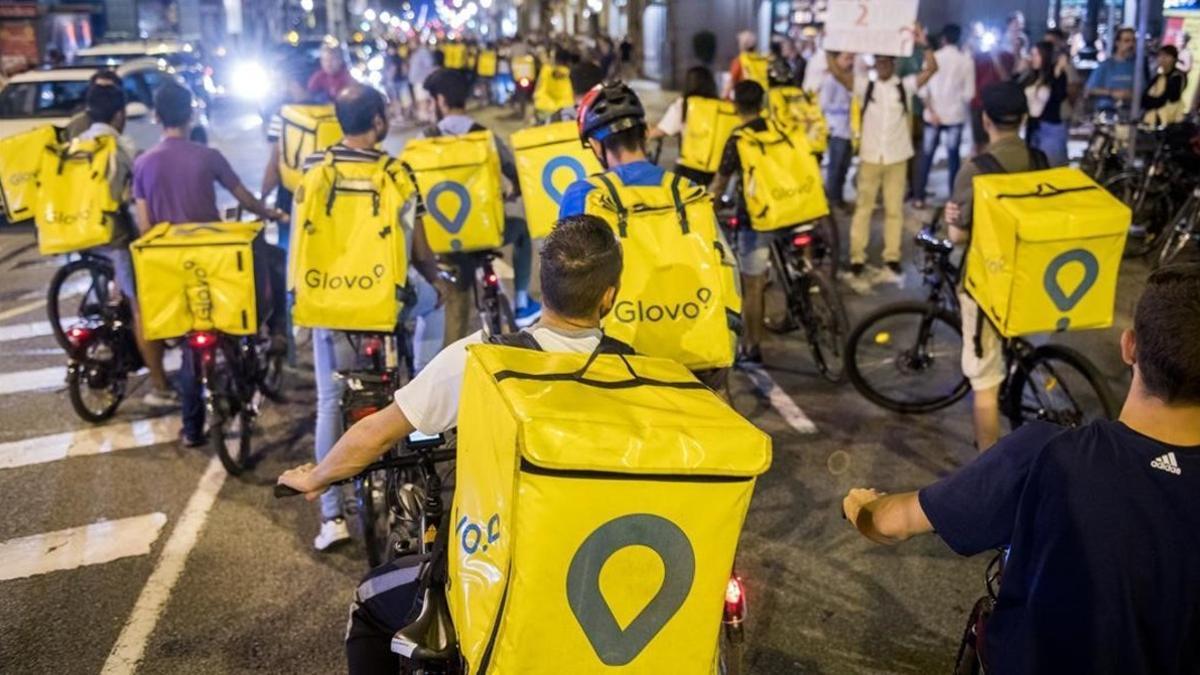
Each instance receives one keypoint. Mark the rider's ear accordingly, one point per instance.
(1129, 347)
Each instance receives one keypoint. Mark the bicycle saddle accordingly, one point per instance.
(431, 638)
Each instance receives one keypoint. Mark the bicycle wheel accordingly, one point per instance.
(78, 291)
(731, 651)
(1059, 385)
(1181, 233)
(95, 391)
(230, 436)
(827, 326)
(370, 493)
(907, 357)
(1151, 208)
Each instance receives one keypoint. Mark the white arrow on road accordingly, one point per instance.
(67, 549)
(779, 400)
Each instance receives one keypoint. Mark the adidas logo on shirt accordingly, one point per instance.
(1167, 463)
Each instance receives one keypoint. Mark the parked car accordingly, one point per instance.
(181, 57)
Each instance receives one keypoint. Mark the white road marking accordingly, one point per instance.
(22, 381)
(22, 309)
(73, 547)
(89, 441)
(779, 399)
(127, 653)
(24, 331)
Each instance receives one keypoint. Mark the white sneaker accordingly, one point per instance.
(885, 275)
(161, 398)
(859, 283)
(333, 531)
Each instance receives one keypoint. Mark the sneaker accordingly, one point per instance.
(333, 531)
(750, 356)
(891, 273)
(191, 441)
(856, 278)
(528, 315)
(161, 398)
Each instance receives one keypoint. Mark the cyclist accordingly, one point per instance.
(362, 113)
(753, 247)
(585, 75)
(1102, 522)
(295, 93)
(1004, 111)
(173, 182)
(698, 81)
(1111, 84)
(580, 271)
(105, 107)
(450, 90)
(81, 121)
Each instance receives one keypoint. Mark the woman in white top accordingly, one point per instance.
(698, 81)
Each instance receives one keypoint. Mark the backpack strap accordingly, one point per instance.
(867, 98)
(1038, 161)
(622, 212)
(520, 339)
(903, 96)
(680, 208)
(986, 162)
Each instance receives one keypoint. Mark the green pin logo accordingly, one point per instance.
(1062, 300)
(614, 646)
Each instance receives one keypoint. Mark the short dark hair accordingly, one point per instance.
(1166, 324)
(451, 85)
(1169, 50)
(584, 76)
(748, 97)
(173, 105)
(630, 140)
(357, 106)
(106, 75)
(952, 33)
(104, 102)
(581, 259)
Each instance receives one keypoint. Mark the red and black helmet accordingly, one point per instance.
(607, 109)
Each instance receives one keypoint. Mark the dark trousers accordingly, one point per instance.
(841, 152)
(385, 601)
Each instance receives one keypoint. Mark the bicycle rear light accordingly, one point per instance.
(79, 336)
(202, 340)
(802, 240)
(735, 600)
(372, 346)
(491, 280)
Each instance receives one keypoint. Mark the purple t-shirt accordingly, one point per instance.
(177, 179)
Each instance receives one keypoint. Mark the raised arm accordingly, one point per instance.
(931, 65)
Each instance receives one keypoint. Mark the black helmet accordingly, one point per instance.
(607, 109)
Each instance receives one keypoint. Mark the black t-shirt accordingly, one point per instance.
(731, 162)
(1103, 575)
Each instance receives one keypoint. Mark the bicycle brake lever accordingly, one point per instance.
(282, 491)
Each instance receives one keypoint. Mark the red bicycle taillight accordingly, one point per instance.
(735, 600)
(802, 240)
(79, 336)
(202, 340)
(524, 82)
(491, 280)
(372, 346)
(358, 414)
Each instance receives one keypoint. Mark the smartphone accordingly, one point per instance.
(418, 440)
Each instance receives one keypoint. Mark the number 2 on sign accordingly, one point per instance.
(863, 10)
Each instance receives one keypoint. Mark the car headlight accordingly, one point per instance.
(250, 80)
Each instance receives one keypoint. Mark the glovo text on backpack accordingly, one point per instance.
(755, 67)
(349, 257)
(781, 180)
(553, 91)
(454, 55)
(21, 156)
(458, 178)
(485, 65)
(306, 129)
(196, 276)
(794, 108)
(1045, 251)
(577, 474)
(549, 159)
(524, 69)
(77, 205)
(708, 126)
(679, 293)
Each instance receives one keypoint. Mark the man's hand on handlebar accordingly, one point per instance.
(303, 480)
(952, 214)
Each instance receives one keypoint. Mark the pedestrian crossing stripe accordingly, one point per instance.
(95, 544)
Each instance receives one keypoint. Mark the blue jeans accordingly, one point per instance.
(841, 152)
(929, 146)
(429, 332)
(1050, 138)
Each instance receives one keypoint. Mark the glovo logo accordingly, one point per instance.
(563, 162)
(613, 645)
(319, 279)
(474, 537)
(628, 311)
(67, 218)
(199, 293)
(780, 193)
(1064, 301)
(20, 178)
(452, 225)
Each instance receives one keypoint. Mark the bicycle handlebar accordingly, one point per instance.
(403, 462)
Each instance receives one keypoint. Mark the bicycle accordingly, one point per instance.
(969, 660)
(1105, 153)
(490, 302)
(78, 292)
(1182, 229)
(102, 353)
(236, 373)
(906, 356)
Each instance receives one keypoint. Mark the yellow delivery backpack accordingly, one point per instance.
(679, 287)
(454, 55)
(306, 129)
(20, 157)
(524, 68)
(549, 159)
(756, 68)
(459, 181)
(792, 107)
(597, 514)
(76, 207)
(198, 276)
(781, 180)
(708, 125)
(349, 257)
(485, 65)
(1045, 251)
(553, 91)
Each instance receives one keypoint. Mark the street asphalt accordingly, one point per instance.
(252, 595)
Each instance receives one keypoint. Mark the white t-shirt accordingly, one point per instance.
(671, 123)
(430, 401)
(886, 137)
(950, 90)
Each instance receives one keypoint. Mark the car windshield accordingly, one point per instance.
(42, 99)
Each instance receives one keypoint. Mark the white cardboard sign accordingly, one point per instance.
(871, 26)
